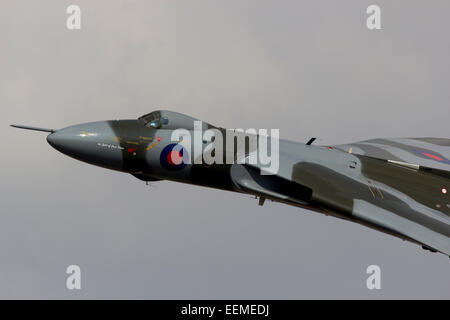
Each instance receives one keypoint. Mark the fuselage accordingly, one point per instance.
(404, 200)
(130, 146)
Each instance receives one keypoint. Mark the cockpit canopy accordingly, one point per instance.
(163, 119)
(154, 119)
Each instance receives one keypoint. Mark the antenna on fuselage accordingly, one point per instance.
(32, 128)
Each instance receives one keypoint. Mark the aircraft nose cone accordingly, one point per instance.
(55, 140)
(89, 142)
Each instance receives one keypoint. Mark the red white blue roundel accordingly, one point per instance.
(432, 156)
(174, 157)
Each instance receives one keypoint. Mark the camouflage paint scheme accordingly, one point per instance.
(397, 186)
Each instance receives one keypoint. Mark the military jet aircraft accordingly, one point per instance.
(397, 186)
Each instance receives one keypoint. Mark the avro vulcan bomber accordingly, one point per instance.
(397, 186)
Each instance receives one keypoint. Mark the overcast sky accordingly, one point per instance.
(309, 68)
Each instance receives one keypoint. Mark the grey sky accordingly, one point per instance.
(309, 68)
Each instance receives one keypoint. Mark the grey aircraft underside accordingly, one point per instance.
(397, 186)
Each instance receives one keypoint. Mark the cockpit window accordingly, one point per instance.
(164, 120)
(150, 116)
(154, 123)
(154, 119)
(171, 120)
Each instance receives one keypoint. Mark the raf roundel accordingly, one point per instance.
(174, 157)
